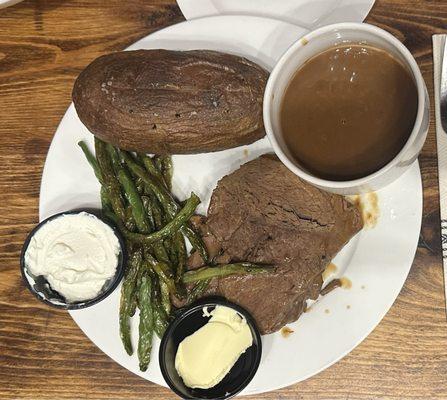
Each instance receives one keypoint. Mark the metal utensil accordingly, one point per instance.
(440, 83)
(443, 93)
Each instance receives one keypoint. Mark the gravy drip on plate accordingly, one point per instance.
(348, 111)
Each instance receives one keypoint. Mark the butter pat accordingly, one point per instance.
(205, 357)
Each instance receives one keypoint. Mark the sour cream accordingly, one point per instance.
(76, 253)
(204, 358)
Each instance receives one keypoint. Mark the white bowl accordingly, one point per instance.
(314, 43)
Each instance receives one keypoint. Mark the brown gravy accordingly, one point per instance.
(348, 111)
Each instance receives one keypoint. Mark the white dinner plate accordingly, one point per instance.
(377, 261)
(7, 3)
(307, 13)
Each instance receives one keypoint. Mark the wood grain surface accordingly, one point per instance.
(44, 44)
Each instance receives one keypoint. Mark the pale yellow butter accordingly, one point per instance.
(205, 357)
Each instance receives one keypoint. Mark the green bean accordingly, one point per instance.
(159, 251)
(91, 160)
(158, 163)
(153, 205)
(105, 201)
(198, 290)
(109, 179)
(154, 214)
(114, 157)
(178, 289)
(157, 248)
(165, 298)
(128, 291)
(167, 202)
(149, 164)
(163, 169)
(196, 241)
(147, 203)
(224, 270)
(143, 270)
(164, 197)
(134, 303)
(165, 274)
(170, 228)
(134, 199)
(112, 217)
(130, 191)
(158, 214)
(162, 270)
(140, 185)
(129, 223)
(169, 245)
(161, 321)
(167, 170)
(180, 250)
(160, 316)
(146, 326)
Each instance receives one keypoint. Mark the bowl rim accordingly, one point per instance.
(119, 273)
(184, 312)
(312, 36)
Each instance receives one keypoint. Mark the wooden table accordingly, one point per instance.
(44, 44)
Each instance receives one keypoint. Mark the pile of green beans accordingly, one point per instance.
(136, 196)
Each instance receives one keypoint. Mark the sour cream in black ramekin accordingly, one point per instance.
(73, 259)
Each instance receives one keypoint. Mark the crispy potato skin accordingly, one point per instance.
(172, 102)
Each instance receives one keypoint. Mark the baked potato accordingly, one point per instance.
(172, 102)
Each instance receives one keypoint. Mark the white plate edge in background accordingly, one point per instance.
(311, 15)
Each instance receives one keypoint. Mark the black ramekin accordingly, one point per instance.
(189, 320)
(42, 290)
